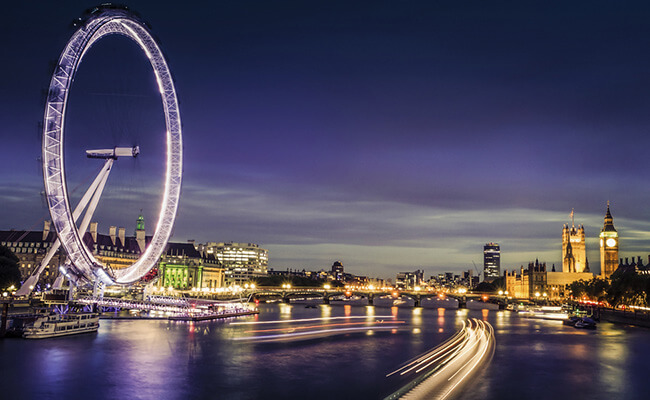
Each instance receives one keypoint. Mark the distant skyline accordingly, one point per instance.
(390, 135)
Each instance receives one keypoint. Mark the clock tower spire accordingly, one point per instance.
(608, 246)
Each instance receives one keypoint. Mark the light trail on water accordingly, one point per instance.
(321, 326)
(442, 371)
(294, 329)
(314, 334)
(280, 321)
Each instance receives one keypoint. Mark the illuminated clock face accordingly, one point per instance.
(611, 242)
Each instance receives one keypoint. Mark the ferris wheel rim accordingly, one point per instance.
(102, 23)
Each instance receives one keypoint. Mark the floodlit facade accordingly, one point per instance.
(182, 267)
(31, 247)
(409, 280)
(536, 282)
(608, 247)
(574, 249)
(242, 262)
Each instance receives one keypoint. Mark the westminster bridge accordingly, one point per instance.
(286, 294)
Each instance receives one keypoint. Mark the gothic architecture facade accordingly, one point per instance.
(574, 249)
(608, 247)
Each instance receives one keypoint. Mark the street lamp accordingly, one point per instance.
(326, 286)
(500, 292)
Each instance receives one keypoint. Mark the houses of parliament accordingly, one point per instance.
(574, 250)
(537, 280)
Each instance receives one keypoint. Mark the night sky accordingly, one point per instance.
(392, 135)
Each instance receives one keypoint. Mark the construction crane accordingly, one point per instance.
(478, 273)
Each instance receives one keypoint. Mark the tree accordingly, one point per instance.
(595, 289)
(578, 289)
(598, 288)
(628, 288)
(9, 270)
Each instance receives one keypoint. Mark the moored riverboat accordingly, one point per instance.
(585, 323)
(50, 325)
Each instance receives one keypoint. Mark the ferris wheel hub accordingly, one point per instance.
(114, 153)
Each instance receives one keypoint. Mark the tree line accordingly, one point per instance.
(626, 287)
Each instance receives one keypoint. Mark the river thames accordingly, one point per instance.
(158, 359)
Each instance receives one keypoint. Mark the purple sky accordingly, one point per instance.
(390, 135)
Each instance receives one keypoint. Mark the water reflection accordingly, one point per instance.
(285, 310)
(613, 354)
(441, 316)
(159, 359)
(416, 320)
(325, 310)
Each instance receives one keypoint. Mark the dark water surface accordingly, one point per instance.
(175, 360)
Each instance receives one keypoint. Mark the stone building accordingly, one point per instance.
(608, 246)
(574, 249)
(536, 282)
(183, 267)
(31, 247)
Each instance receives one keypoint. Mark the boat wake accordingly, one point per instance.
(312, 328)
(442, 372)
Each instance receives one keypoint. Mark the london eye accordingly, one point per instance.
(82, 266)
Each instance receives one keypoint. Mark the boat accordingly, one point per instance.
(48, 325)
(544, 312)
(571, 321)
(585, 323)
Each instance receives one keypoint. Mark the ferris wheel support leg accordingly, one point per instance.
(58, 282)
(32, 280)
(93, 205)
(95, 199)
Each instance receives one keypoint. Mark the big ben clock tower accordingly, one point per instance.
(608, 247)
